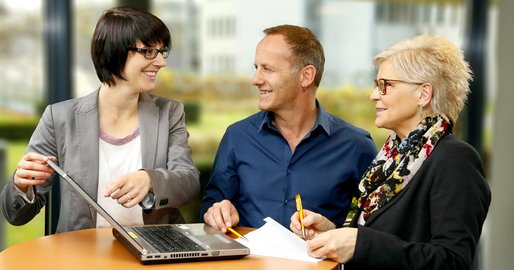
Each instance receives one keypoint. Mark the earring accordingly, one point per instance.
(420, 110)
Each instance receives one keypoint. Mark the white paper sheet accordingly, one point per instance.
(273, 240)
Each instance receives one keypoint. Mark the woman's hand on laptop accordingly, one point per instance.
(129, 189)
(222, 215)
(32, 170)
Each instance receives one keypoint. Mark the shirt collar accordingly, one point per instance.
(322, 120)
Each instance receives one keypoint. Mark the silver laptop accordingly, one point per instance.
(166, 242)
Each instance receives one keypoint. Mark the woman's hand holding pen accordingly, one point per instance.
(323, 240)
(222, 215)
(314, 224)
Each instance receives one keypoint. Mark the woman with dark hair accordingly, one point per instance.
(424, 197)
(126, 147)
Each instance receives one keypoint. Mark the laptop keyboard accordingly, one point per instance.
(167, 239)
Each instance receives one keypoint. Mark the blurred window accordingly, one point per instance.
(211, 62)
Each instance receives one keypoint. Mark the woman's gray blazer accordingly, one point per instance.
(69, 130)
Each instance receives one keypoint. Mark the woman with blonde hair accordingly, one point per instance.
(424, 198)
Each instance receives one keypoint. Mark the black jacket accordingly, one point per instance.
(435, 222)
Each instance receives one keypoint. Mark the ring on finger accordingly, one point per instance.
(128, 196)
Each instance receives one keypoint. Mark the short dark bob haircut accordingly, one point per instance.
(119, 29)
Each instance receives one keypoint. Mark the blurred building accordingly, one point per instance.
(21, 58)
(181, 17)
(230, 30)
(218, 37)
(350, 31)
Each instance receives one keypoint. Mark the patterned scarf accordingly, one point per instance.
(397, 163)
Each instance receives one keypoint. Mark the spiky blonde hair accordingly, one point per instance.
(433, 60)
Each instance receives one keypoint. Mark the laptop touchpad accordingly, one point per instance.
(212, 240)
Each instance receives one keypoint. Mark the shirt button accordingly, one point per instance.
(285, 202)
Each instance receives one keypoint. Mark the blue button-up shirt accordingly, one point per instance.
(255, 169)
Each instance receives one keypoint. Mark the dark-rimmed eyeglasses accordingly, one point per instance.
(151, 53)
(381, 84)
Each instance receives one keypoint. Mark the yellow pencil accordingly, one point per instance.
(300, 212)
(238, 234)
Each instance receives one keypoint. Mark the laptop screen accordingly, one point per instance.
(94, 204)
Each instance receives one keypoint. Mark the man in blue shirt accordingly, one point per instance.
(292, 146)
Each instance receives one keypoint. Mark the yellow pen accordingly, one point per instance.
(237, 234)
(300, 212)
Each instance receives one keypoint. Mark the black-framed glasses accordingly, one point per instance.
(151, 53)
(381, 84)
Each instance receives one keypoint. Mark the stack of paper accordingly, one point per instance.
(273, 240)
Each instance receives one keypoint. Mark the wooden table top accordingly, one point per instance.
(98, 249)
